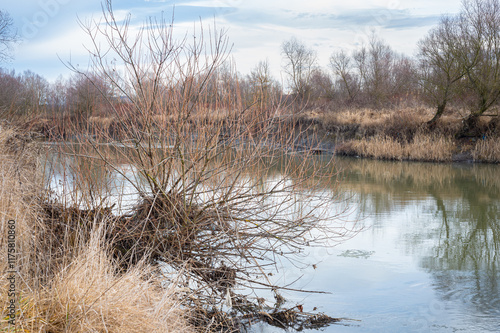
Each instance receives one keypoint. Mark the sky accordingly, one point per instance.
(51, 33)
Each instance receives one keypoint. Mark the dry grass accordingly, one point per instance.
(376, 118)
(67, 289)
(403, 134)
(88, 296)
(487, 150)
(421, 148)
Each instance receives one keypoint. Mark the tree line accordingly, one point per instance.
(457, 64)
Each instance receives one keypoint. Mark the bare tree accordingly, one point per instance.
(10, 91)
(478, 51)
(321, 85)
(7, 35)
(299, 64)
(263, 86)
(379, 71)
(342, 66)
(374, 66)
(439, 71)
(86, 92)
(34, 93)
(404, 79)
(200, 209)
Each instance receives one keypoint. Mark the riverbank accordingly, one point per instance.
(402, 134)
(65, 280)
(386, 134)
(81, 256)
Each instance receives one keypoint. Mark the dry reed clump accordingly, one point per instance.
(66, 281)
(88, 296)
(421, 148)
(400, 124)
(430, 148)
(487, 150)
(104, 123)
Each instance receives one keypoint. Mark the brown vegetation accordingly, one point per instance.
(487, 150)
(66, 280)
(398, 134)
(218, 200)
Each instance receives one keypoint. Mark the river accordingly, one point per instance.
(425, 259)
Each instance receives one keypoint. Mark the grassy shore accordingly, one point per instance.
(403, 134)
(386, 134)
(66, 282)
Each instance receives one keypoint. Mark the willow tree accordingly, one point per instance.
(217, 200)
(477, 50)
(439, 71)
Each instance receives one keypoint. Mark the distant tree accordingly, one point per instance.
(7, 35)
(478, 51)
(378, 71)
(404, 79)
(299, 64)
(262, 84)
(342, 66)
(439, 70)
(86, 92)
(10, 90)
(374, 65)
(321, 85)
(57, 96)
(34, 93)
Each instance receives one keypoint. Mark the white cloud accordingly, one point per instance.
(257, 28)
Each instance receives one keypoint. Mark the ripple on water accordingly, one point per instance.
(356, 254)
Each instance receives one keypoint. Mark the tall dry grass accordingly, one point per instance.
(487, 150)
(89, 296)
(75, 286)
(421, 148)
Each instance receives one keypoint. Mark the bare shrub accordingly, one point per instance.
(218, 195)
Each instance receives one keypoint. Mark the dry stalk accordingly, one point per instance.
(218, 196)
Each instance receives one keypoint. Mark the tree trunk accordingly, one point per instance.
(470, 126)
(439, 112)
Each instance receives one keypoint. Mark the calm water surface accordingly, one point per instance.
(427, 259)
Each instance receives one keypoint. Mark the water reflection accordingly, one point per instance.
(455, 231)
(431, 245)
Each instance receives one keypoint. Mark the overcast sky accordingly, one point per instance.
(50, 31)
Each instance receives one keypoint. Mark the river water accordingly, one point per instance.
(427, 259)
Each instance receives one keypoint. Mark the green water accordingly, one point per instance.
(427, 259)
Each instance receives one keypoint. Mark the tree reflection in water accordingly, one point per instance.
(459, 245)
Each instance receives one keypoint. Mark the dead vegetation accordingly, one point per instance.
(66, 279)
(404, 134)
(217, 203)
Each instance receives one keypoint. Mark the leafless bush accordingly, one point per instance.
(218, 197)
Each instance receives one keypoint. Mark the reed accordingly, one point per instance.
(66, 282)
(487, 150)
(421, 148)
